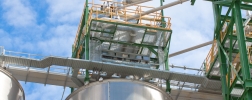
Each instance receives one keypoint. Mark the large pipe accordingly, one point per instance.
(134, 3)
(158, 8)
(190, 49)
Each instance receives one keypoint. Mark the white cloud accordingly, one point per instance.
(18, 14)
(65, 11)
(59, 41)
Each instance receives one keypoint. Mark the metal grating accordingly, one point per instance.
(237, 92)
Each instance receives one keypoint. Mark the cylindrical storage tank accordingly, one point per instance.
(10, 89)
(119, 89)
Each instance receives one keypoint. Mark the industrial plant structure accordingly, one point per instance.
(121, 52)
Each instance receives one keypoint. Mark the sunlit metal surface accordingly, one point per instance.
(119, 89)
(10, 89)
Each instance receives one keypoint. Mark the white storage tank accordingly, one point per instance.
(119, 89)
(10, 89)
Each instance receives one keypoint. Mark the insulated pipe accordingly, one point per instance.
(158, 8)
(135, 3)
(190, 49)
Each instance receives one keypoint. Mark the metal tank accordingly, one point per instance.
(119, 89)
(10, 89)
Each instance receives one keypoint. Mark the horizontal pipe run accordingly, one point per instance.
(157, 9)
(190, 49)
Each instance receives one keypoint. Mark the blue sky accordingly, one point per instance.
(48, 27)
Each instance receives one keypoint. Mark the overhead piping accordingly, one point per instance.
(190, 49)
(157, 9)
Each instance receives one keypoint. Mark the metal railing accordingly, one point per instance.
(210, 57)
(151, 19)
(236, 68)
(54, 69)
(96, 10)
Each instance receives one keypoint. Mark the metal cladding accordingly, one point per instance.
(119, 89)
(10, 89)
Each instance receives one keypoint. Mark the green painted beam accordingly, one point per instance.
(162, 14)
(223, 70)
(217, 12)
(248, 39)
(233, 50)
(241, 41)
(230, 58)
(222, 2)
(166, 54)
(224, 20)
(83, 22)
(229, 18)
(242, 47)
(153, 51)
(168, 89)
(228, 3)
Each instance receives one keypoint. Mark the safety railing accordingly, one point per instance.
(152, 19)
(237, 67)
(211, 55)
(112, 12)
(55, 69)
(23, 55)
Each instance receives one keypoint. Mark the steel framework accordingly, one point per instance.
(229, 58)
(133, 40)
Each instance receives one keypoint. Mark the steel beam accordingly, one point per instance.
(242, 48)
(216, 10)
(223, 70)
(241, 41)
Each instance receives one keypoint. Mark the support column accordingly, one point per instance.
(223, 70)
(242, 50)
(221, 54)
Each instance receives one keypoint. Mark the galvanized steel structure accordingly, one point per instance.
(229, 59)
(131, 42)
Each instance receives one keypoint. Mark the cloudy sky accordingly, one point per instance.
(48, 27)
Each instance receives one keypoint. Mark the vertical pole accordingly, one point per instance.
(162, 14)
(223, 70)
(242, 48)
(222, 58)
(230, 32)
(87, 37)
(241, 41)
(230, 58)
(168, 86)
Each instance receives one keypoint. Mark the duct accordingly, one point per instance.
(157, 9)
(190, 49)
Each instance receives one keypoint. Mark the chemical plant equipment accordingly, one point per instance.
(10, 89)
(121, 51)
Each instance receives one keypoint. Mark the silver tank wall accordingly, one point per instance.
(10, 89)
(119, 89)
